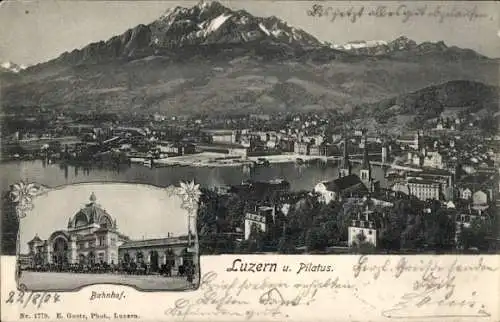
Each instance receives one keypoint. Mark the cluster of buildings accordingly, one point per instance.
(469, 194)
(92, 237)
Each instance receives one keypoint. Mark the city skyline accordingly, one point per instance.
(79, 23)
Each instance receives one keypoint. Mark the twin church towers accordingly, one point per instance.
(345, 168)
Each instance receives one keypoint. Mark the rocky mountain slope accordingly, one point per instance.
(454, 98)
(207, 26)
(212, 59)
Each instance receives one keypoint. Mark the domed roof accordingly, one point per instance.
(92, 213)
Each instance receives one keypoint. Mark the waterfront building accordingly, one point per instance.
(221, 136)
(235, 150)
(301, 148)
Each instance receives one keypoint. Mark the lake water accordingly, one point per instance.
(301, 177)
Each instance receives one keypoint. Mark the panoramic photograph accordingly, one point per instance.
(305, 133)
(84, 234)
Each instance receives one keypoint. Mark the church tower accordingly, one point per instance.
(345, 165)
(365, 173)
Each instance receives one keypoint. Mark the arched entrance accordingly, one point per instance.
(154, 260)
(38, 260)
(60, 255)
(82, 259)
(139, 257)
(170, 257)
(187, 257)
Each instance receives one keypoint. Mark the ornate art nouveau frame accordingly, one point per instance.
(22, 196)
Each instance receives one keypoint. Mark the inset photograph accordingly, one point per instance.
(108, 233)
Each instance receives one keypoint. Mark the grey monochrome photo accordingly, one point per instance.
(135, 235)
(137, 136)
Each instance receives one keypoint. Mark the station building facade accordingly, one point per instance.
(92, 237)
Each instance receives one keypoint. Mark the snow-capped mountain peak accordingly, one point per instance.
(216, 23)
(398, 45)
(12, 67)
(209, 22)
(357, 44)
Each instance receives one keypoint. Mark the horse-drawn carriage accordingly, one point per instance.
(128, 268)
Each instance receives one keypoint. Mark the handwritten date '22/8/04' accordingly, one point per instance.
(33, 299)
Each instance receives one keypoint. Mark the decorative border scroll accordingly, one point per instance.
(22, 195)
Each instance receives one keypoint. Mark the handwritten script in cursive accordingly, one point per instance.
(428, 287)
(433, 292)
(404, 12)
(250, 299)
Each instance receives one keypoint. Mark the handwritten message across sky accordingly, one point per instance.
(298, 288)
(403, 12)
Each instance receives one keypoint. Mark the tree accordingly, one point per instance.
(440, 230)
(316, 239)
(208, 211)
(10, 225)
(255, 241)
(361, 245)
(235, 212)
(475, 236)
(285, 246)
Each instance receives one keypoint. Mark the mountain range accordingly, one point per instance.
(211, 59)
(403, 46)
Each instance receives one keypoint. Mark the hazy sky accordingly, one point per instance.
(37, 31)
(139, 210)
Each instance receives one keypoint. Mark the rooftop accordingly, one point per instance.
(422, 181)
(155, 242)
(218, 131)
(343, 183)
(36, 239)
(219, 146)
(434, 171)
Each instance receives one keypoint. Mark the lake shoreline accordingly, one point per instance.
(211, 160)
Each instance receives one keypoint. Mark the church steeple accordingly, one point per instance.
(366, 172)
(366, 160)
(345, 165)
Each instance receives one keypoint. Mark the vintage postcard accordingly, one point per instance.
(250, 160)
